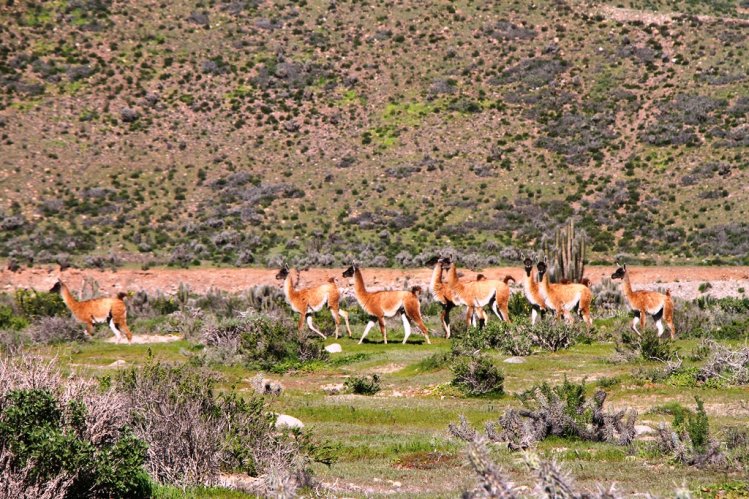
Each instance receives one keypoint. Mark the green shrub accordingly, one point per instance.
(648, 346)
(261, 341)
(477, 375)
(34, 304)
(434, 362)
(9, 320)
(519, 306)
(35, 428)
(363, 385)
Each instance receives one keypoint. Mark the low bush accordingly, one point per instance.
(363, 385)
(32, 304)
(688, 440)
(261, 341)
(477, 375)
(67, 438)
(648, 346)
(193, 433)
(48, 330)
(9, 319)
(561, 411)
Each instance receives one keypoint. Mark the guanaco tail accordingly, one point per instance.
(562, 298)
(97, 311)
(307, 301)
(659, 305)
(382, 304)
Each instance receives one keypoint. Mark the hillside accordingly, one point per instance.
(237, 131)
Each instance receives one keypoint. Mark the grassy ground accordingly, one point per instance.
(396, 442)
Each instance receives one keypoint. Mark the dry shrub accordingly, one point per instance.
(551, 480)
(193, 434)
(561, 411)
(48, 330)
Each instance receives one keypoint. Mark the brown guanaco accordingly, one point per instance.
(113, 311)
(382, 304)
(307, 301)
(562, 298)
(659, 305)
(476, 295)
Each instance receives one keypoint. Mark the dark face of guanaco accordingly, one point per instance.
(445, 262)
(56, 288)
(433, 261)
(528, 264)
(283, 273)
(541, 270)
(349, 272)
(620, 271)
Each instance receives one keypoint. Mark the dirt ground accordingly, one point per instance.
(682, 281)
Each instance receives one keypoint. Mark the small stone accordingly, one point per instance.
(118, 363)
(514, 360)
(286, 421)
(334, 348)
(641, 429)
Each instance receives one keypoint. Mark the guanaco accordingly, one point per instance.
(532, 292)
(307, 301)
(97, 311)
(659, 305)
(382, 304)
(562, 298)
(476, 295)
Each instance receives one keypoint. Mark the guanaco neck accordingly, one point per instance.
(530, 284)
(543, 286)
(68, 297)
(359, 289)
(435, 285)
(452, 278)
(627, 287)
(288, 289)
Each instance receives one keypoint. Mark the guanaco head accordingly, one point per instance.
(445, 262)
(620, 271)
(283, 273)
(433, 261)
(528, 264)
(541, 270)
(57, 287)
(349, 272)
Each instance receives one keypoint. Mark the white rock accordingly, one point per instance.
(118, 363)
(334, 348)
(333, 388)
(641, 429)
(286, 421)
(514, 360)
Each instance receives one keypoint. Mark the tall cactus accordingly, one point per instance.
(566, 256)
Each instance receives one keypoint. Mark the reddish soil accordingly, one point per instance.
(683, 281)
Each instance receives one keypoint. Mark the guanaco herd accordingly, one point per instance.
(561, 299)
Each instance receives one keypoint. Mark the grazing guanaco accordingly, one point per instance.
(562, 298)
(307, 301)
(97, 311)
(532, 292)
(659, 305)
(381, 304)
(476, 295)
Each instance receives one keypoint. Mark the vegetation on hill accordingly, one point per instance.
(234, 131)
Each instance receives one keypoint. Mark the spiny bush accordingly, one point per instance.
(363, 385)
(688, 440)
(551, 481)
(477, 375)
(562, 411)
